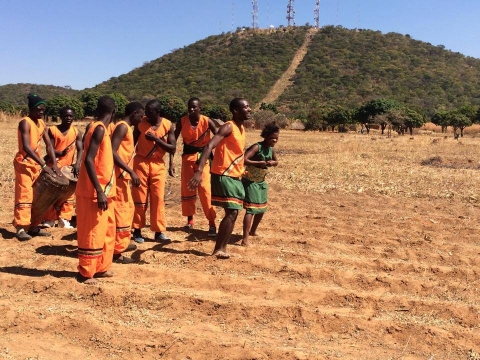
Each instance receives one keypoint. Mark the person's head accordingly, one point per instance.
(270, 134)
(67, 114)
(135, 111)
(36, 106)
(105, 106)
(153, 109)
(240, 109)
(194, 106)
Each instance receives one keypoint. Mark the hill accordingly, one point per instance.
(16, 94)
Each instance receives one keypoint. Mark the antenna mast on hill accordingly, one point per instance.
(317, 14)
(290, 13)
(254, 14)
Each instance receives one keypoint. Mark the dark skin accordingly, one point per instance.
(24, 128)
(117, 138)
(92, 151)
(240, 114)
(67, 118)
(154, 118)
(250, 229)
(194, 108)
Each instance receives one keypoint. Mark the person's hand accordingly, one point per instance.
(49, 171)
(195, 180)
(269, 163)
(262, 164)
(171, 171)
(102, 200)
(55, 170)
(151, 136)
(135, 179)
(76, 170)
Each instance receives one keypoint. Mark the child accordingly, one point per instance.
(258, 158)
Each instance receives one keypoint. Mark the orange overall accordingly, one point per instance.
(26, 171)
(61, 142)
(148, 164)
(123, 200)
(95, 227)
(195, 139)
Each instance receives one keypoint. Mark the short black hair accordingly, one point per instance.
(132, 107)
(269, 129)
(64, 110)
(105, 105)
(155, 105)
(235, 104)
(192, 99)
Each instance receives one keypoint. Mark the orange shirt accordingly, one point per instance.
(62, 142)
(103, 164)
(36, 134)
(125, 150)
(229, 153)
(148, 149)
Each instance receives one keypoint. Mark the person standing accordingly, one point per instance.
(258, 158)
(123, 151)
(154, 138)
(65, 138)
(195, 130)
(226, 171)
(27, 166)
(95, 193)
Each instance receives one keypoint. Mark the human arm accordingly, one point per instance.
(274, 161)
(169, 145)
(24, 129)
(51, 153)
(117, 138)
(79, 146)
(250, 153)
(92, 151)
(224, 131)
(211, 126)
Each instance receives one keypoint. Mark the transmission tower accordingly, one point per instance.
(317, 14)
(290, 13)
(254, 14)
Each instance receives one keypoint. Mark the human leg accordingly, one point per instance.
(224, 232)
(140, 193)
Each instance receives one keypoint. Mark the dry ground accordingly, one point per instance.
(369, 251)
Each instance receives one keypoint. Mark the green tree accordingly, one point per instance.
(338, 116)
(7, 107)
(89, 100)
(173, 108)
(405, 118)
(120, 102)
(367, 113)
(271, 107)
(457, 120)
(440, 118)
(55, 104)
(316, 119)
(217, 112)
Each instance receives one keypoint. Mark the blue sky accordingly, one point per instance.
(82, 43)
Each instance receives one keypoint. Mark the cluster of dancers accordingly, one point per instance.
(120, 168)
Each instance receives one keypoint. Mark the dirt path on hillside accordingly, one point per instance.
(286, 79)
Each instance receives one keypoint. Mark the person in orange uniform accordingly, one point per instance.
(95, 193)
(123, 151)
(227, 169)
(28, 164)
(195, 130)
(65, 138)
(154, 137)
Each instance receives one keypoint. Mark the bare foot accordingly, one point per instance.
(246, 243)
(252, 233)
(104, 274)
(86, 281)
(221, 255)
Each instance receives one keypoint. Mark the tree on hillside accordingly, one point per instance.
(440, 118)
(173, 108)
(316, 119)
(367, 113)
(272, 107)
(404, 118)
(120, 102)
(339, 117)
(216, 112)
(55, 104)
(7, 107)
(89, 100)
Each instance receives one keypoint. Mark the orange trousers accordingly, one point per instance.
(123, 215)
(25, 174)
(152, 174)
(95, 236)
(189, 197)
(64, 210)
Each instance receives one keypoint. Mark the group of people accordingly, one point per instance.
(120, 169)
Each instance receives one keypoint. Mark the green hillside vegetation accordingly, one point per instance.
(216, 69)
(16, 94)
(348, 68)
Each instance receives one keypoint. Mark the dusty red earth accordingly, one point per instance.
(331, 276)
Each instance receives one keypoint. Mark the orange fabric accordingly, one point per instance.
(152, 174)
(61, 141)
(123, 215)
(125, 151)
(229, 153)
(148, 149)
(26, 171)
(198, 137)
(96, 236)
(104, 167)
(36, 134)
